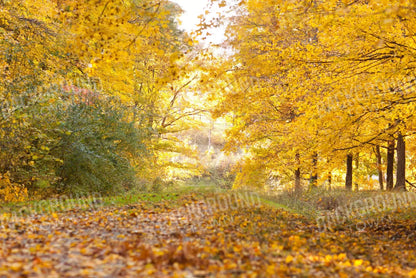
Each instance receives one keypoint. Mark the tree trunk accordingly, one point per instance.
(314, 176)
(380, 171)
(401, 164)
(390, 165)
(298, 186)
(348, 177)
(329, 180)
(357, 165)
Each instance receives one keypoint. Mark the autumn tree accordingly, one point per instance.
(129, 54)
(348, 83)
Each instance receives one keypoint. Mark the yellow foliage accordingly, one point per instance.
(130, 49)
(11, 192)
(309, 83)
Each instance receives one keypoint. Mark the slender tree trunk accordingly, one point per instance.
(401, 164)
(380, 171)
(329, 180)
(357, 164)
(298, 185)
(390, 165)
(348, 177)
(314, 176)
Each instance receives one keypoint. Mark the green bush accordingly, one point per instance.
(95, 146)
(26, 141)
(61, 143)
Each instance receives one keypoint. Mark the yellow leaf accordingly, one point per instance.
(16, 266)
(270, 270)
(358, 262)
(412, 273)
(289, 259)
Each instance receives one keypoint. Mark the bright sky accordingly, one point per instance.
(192, 9)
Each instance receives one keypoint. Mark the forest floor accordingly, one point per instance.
(199, 234)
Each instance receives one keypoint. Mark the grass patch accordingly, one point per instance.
(271, 203)
(50, 205)
(130, 198)
(172, 195)
(317, 202)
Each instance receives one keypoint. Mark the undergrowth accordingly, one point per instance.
(316, 202)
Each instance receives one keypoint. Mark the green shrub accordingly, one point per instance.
(26, 141)
(95, 146)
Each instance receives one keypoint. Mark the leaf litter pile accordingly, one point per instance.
(196, 237)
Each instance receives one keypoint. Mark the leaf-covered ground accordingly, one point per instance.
(216, 236)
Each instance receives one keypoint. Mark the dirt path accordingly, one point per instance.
(200, 239)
